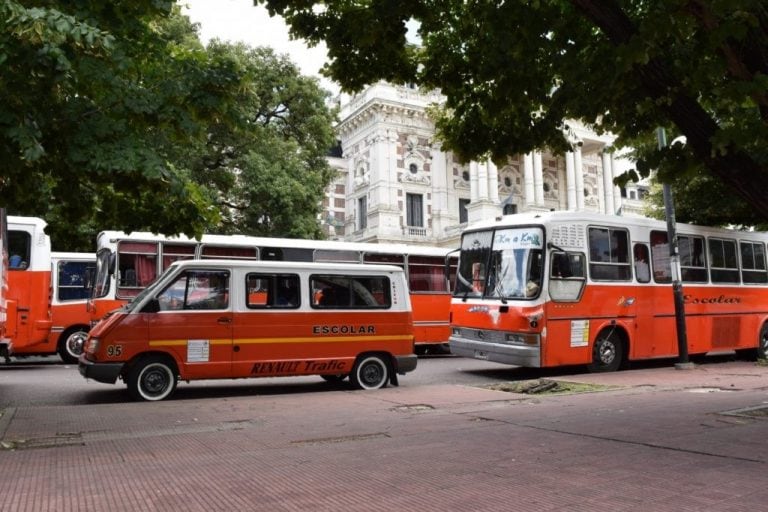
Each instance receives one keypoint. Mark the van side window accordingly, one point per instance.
(198, 290)
(350, 292)
(272, 291)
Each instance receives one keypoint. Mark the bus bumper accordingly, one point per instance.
(518, 355)
(100, 372)
(406, 364)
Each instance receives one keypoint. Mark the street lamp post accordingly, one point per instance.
(674, 262)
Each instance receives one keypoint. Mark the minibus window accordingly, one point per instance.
(196, 289)
(350, 292)
(272, 291)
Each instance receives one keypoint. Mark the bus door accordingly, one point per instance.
(29, 288)
(567, 311)
(194, 322)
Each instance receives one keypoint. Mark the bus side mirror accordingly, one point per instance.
(88, 278)
(153, 306)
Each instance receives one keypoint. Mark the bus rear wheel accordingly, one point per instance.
(607, 352)
(152, 378)
(369, 372)
(71, 344)
(762, 343)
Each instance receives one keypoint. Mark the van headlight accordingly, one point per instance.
(92, 345)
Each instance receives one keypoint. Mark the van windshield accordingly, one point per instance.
(502, 263)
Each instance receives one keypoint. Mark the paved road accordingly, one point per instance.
(47, 381)
(655, 438)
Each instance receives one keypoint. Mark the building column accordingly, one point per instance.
(579, 171)
(616, 191)
(538, 179)
(438, 170)
(528, 179)
(473, 183)
(570, 178)
(493, 182)
(482, 181)
(608, 183)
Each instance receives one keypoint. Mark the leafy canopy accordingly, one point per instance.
(111, 114)
(512, 71)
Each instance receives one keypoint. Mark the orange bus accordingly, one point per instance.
(70, 290)
(127, 263)
(573, 288)
(28, 316)
(223, 319)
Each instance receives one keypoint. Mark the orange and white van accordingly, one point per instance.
(224, 319)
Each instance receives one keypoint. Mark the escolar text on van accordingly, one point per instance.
(222, 319)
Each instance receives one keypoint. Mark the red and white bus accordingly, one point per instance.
(572, 288)
(128, 263)
(28, 316)
(46, 295)
(70, 292)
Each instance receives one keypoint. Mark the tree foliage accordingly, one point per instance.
(109, 113)
(513, 71)
(266, 157)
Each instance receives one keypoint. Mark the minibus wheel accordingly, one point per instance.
(607, 352)
(151, 378)
(71, 344)
(370, 372)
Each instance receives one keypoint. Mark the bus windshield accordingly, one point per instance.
(501, 263)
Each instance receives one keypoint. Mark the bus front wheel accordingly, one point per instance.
(71, 344)
(607, 352)
(369, 372)
(151, 378)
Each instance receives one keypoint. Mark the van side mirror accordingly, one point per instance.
(153, 306)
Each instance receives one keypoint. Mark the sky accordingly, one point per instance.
(241, 21)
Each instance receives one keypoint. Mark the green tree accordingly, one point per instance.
(110, 113)
(95, 99)
(513, 71)
(266, 156)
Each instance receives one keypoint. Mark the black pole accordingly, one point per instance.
(674, 263)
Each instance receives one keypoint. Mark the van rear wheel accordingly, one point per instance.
(369, 372)
(152, 379)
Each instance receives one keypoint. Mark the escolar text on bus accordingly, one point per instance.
(343, 329)
(722, 299)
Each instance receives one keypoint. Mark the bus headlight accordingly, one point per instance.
(517, 338)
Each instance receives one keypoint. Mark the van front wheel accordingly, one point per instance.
(369, 372)
(151, 379)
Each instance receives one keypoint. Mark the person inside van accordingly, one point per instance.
(287, 293)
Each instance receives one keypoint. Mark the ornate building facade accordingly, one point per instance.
(396, 184)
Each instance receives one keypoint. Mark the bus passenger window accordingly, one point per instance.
(642, 268)
(609, 257)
